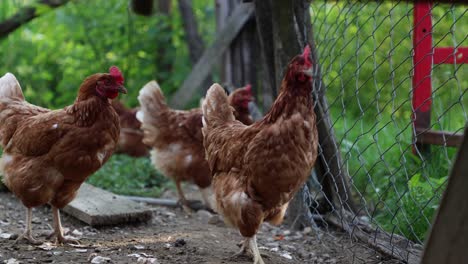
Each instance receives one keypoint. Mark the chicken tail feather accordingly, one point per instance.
(151, 101)
(10, 87)
(152, 113)
(216, 108)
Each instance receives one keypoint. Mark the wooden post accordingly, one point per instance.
(239, 63)
(241, 14)
(448, 240)
(284, 29)
(196, 45)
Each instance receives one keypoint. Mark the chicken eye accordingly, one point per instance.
(108, 82)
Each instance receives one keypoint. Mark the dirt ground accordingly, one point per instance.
(170, 237)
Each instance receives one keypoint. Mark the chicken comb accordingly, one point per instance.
(248, 87)
(306, 54)
(117, 74)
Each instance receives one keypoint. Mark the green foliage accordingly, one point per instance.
(131, 176)
(365, 51)
(54, 53)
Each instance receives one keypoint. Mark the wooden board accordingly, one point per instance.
(98, 207)
(212, 54)
(441, 138)
(448, 240)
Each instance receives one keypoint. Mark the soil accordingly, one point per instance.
(170, 237)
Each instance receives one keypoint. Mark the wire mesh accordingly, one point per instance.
(365, 52)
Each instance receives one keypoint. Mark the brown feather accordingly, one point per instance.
(49, 154)
(258, 168)
(175, 137)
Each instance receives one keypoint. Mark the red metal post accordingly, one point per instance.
(448, 55)
(422, 62)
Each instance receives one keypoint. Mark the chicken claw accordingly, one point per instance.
(243, 249)
(58, 230)
(185, 206)
(59, 238)
(28, 237)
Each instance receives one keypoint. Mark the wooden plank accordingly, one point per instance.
(211, 56)
(441, 138)
(448, 240)
(193, 204)
(98, 207)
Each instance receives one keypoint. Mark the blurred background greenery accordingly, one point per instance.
(53, 53)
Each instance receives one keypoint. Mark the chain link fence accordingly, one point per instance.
(365, 52)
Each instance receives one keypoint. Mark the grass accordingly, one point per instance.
(398, 190)
(130, 176)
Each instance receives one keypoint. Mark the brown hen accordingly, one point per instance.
(131, 136)
(258, 168)
(48, 154)
(176, 138)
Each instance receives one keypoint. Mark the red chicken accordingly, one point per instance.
(258, 168)
(131, 136)
(176, 139)
(48, 154)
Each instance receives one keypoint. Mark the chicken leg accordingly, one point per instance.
(27, 235)
(254, 248)
(243, 249)
(250, 243)
(182, 200)
(207, 197)
(58, 230)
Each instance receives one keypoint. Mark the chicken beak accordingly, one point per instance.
(122, 89)
(309, 72)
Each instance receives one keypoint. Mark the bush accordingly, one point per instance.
(130, 176)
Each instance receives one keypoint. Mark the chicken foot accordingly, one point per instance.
(250, 243)
(58, 230)
(27, 235)
(243, 249)
(254, 248)
(182, 200)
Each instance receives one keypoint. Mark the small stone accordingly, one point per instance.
(99, 260)
(275, 249)
(11, 261)
(139, 247)
(47, 246)
(30, 248)
(286, 255)
(204, 215)
(215, 220)
(180, 242)
(289, 247)
(77, 233)
(286, 233)
(142, 260)
(307, 230)
(81, 250)
(5, 236)
(272, 244)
